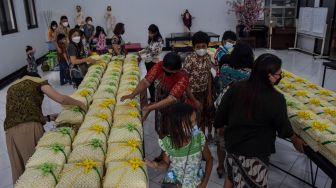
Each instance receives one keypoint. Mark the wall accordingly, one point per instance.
(138, 15)
(13, 46)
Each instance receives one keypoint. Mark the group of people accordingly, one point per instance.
(235, 94)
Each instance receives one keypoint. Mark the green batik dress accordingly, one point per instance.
(193, 172)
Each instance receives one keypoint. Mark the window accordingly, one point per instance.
(30, 14)
(7, 17)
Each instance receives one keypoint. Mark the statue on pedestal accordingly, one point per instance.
(110, 22)
(79, 18)
(187, 21)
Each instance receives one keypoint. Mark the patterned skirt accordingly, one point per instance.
(207, 115)
(247, 172)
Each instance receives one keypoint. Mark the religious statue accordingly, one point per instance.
(110, 22)
(187, 20)
(79, 19)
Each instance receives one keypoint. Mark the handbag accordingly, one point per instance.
(176, 184)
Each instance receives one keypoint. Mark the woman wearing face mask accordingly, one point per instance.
(88, 29)
(118, 44)
(77, 56)
(63, 28)
(171, 86)
(198, 65)
(253, 113)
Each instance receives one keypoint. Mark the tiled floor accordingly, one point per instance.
(286, 157)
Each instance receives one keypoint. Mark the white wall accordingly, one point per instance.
(138, 15)
(13, 46)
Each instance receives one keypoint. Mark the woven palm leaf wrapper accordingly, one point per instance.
(288, 75)
(130, 78)
(125, 132)
(98, 117)
(327, 113)
(94, 150)
(72, 116)
(90, 79)
(111, 75)
(95, 57)
(98, 71)
(288, 87)
(105, 106)
(299, 117)
(126, 87)
(109, 84)
(118, 58)
(301, 95)
(89, 85)
(313, 88)
(121, 151)
(91, 121)
(43, 176)
(132, 173)
(63, 136)
(315, 104)
(314, 130)
(121, 120)
(106, 57)
(86, 174)
(122, 110)
(84, 136)
(131, 103)
(84, 95)
(105, 93)
(327, 95)
(56, 154)
(124, 93)
(328, 147)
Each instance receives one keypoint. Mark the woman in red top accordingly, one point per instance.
(171, 85)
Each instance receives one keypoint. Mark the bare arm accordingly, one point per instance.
(142, 86)
(162, 165)
(75, 61)
(62, 99)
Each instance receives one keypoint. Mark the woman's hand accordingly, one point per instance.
(123, 98)
(152, 164)
(83, 107)
(145, 112)
(298, 143)
(90, 60)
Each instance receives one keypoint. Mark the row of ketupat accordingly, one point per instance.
(124, 161)
(53, 149)
(89, 145)
(312, 112)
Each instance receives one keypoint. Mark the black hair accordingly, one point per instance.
(172, 61)
(63, 18)
(99, 30)
(200, 37)
(52, 24)
(259, 81)
(229, 35)
(154, 29)
(71, 32)
(240, 57)
(119, 28)
(180, 125)
(88, 18)
(60, 37)
(77, 27)
(28, 48)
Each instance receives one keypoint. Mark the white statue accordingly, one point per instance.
(110, 22)
(79, 19)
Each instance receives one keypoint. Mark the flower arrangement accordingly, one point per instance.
(247, 12)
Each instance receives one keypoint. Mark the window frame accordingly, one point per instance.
(2, 11)
(28, 16)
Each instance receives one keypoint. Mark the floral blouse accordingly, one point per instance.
(199, 71)
(101, 42)
(189, 172)
(118, 40)
(152, 51)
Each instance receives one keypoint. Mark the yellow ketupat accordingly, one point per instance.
(327, 113)
(126, 132)
(123, 110)
(70, 115)
(95, 150)
(328, 147)
(56, 154)
(63, 136)
(121, 120)
(86, 174)
(131, 173)
(84, 136)
(122, 151)
(105, 93)
(43, 176)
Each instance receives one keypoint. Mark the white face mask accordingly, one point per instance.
(54, 27)
(76, 39)
(201, 52)
(90, 22)
(65, 24)
(228, 45)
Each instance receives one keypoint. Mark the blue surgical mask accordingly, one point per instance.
(195, 130)
(228, 45)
